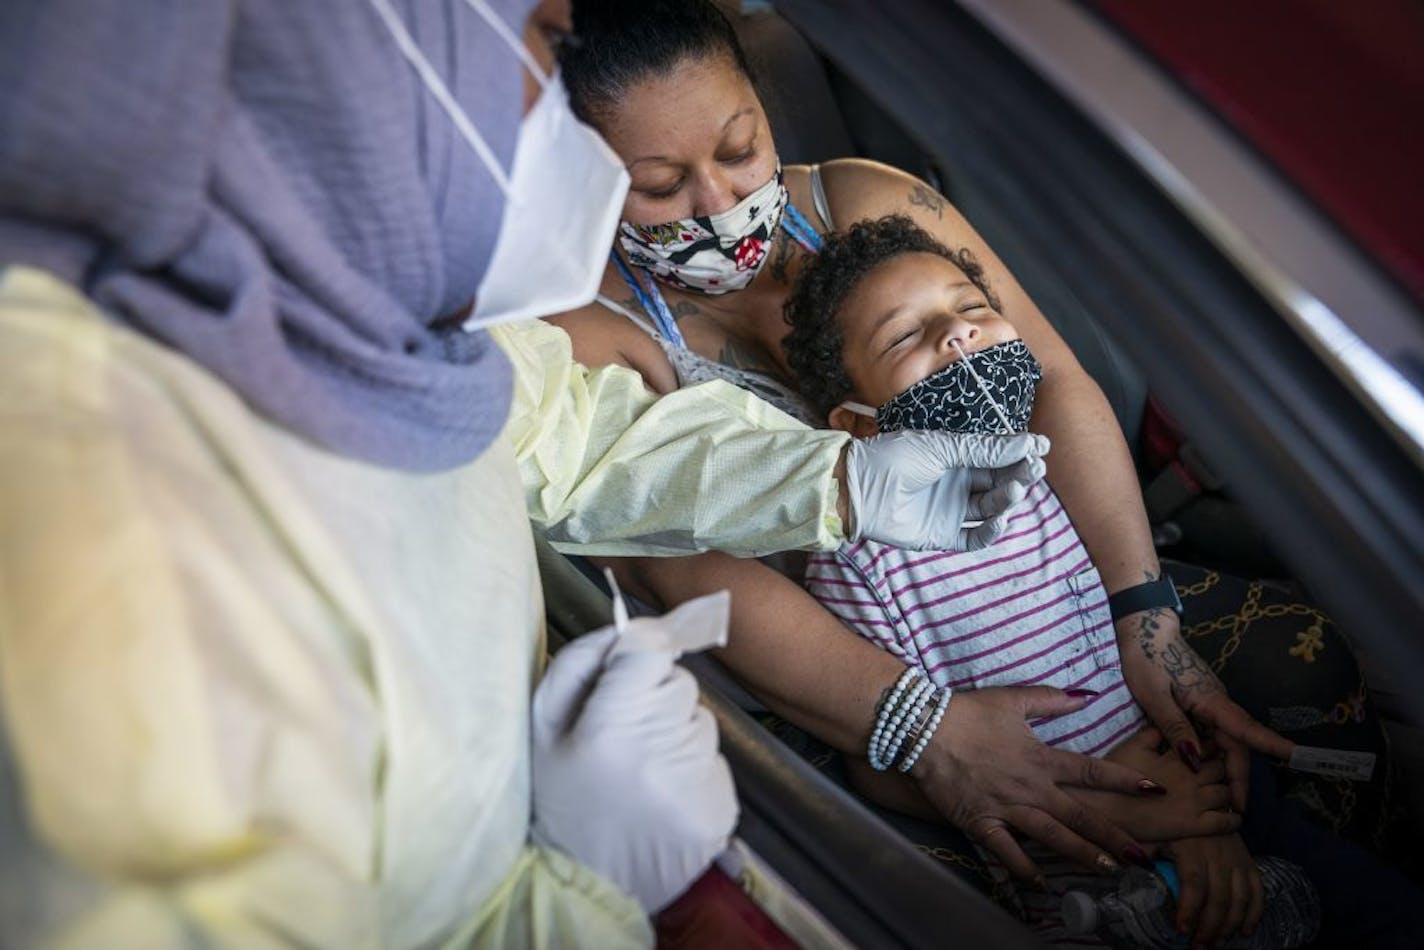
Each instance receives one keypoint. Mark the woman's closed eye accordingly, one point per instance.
(666, 191)
(742, 157)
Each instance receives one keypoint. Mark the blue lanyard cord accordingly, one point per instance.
(651, 300)
(800, 229)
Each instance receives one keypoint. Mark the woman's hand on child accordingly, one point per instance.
(916, 489)
(987, 773)
(1221, 888)
(1189, 803)
(1174, 686)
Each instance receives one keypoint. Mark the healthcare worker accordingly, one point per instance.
(270, 621)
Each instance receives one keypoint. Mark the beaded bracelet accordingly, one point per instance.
(940, 709)
(924, 739)
(886, 708)
(922, 721)
(891, 734)
(922, 714)
(885, 712)
(894, 716)
(913, 710)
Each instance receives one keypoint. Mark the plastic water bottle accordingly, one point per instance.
(1142, 910)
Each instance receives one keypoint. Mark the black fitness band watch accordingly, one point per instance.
(1158, 593)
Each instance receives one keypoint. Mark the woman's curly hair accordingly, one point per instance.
(815, 343)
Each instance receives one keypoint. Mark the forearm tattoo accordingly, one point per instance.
(922, 197)
(1149, 625)
(1149, 631)
(1181, 663)
(1188, 672)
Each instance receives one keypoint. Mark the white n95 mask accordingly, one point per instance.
(562, 201)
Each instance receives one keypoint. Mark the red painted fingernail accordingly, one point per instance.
(1190, 754)
(1083, 693)
(1149, 787)
(1137, 856)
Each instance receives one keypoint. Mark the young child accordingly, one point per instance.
(887, 317)
(889, 330)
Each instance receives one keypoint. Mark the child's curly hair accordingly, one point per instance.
(814, 345)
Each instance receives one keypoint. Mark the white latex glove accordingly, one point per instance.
(916, 489)
(627, 777)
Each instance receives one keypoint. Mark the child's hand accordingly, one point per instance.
(1221, 888)
(1191, 804)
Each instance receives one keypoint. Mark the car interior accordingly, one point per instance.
(1140, 295)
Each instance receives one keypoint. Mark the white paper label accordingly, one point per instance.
(1335, 763)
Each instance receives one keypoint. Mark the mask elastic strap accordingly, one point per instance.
(514, 42)
(859, 408)
(437, 88)
(983, 387)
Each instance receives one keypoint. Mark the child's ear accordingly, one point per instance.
(848, 420)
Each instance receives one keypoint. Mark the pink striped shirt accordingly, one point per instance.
(1029, 609)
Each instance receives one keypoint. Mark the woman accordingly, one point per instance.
(272, 619)
(668, 88)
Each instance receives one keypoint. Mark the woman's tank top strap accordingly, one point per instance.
(681, 358)
(638, 321)
(819, 200)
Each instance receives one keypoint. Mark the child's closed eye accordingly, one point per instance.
(903, 337)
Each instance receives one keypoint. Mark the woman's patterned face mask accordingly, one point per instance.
(715, 253)
(964, 395)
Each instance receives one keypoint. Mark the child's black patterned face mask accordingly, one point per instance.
(987, 392)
